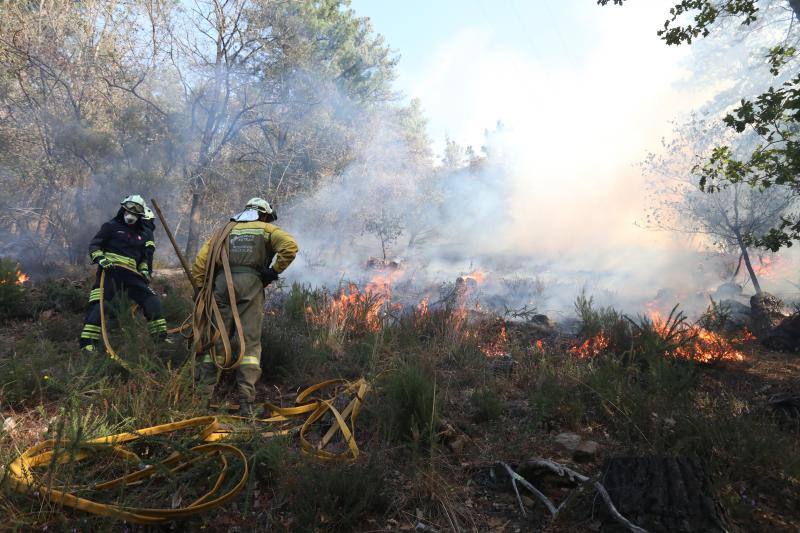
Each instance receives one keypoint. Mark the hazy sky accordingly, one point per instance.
(473, 62)
(584, 93)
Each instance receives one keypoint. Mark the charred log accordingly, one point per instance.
(786, 336)
(663, 493)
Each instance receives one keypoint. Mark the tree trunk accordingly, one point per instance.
(194, 225)
(663, 493)
(747, 263)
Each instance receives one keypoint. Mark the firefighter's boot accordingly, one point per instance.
(248, 410)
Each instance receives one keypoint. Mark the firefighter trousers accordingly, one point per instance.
(119, 280)
(249, 291)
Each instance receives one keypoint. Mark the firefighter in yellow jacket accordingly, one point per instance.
(258, 252)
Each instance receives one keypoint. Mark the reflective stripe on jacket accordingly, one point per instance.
(120, 243)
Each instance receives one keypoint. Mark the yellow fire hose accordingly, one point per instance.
(207, 323)
(208, 327)
(23, 478)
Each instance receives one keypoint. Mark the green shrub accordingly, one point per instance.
(299, 298)
(335, 496)
(411, 402)
(31, 370)
(61, 295)
(288, 351)
(716, 316)
(487, 404)
(603, 320)
(12, 293)
(555, 395)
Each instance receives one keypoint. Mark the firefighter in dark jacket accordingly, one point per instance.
(123, 248)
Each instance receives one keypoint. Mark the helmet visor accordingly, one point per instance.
(259, 208)
(133, 207)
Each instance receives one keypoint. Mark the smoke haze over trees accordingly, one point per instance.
(202, 104)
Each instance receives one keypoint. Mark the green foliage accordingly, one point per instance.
(609, 322)
(779, 56)
(487, 403)
(716, 316)
(315, 70)
(61, 295)
(411, 403)
(773, 116)
(299, 298)
(386, 227)
(658, 340)
(176, 306)
(12, 294)
(554, 395)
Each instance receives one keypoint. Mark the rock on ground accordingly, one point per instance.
(569, 441)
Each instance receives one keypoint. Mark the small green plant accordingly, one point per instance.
(300, 297)
(555, 396)
(412, 405)
(607, 321)
(176, 306)
(487, 404)
(716, 317)
(656, 339)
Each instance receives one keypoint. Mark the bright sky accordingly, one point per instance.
(473, 62)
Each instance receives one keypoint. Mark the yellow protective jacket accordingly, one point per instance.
(252, 244)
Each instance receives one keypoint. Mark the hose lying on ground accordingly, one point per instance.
(23, 477)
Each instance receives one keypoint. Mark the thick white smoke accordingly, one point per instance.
(555, 209)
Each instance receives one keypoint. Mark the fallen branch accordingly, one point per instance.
(573, 476)
(525, 483)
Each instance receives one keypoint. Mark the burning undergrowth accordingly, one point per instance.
(605, 330)
(392, 295)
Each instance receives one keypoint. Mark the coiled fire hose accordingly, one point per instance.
(23, 477)
(22, 474)
(207, 323)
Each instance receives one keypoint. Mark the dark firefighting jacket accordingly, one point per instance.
(122, 244)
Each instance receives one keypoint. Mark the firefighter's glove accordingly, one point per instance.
(146, 275)
(104, 263)
(268, 275)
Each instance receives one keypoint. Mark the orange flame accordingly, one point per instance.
(498, 346)
(21, 278)
(477, 275)
(702, 345)
(591, 347)
(353, 308)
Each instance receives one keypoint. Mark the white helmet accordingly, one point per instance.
(260, 205)
(134, 204)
